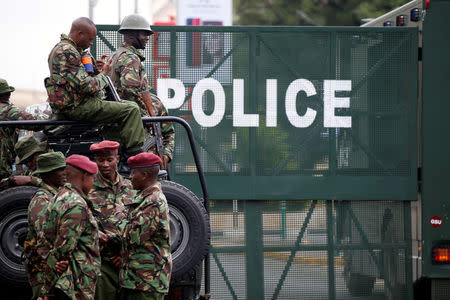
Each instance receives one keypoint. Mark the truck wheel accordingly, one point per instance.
(359, 284)
(13, 231)
(189, 228)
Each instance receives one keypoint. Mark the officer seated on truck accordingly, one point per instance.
(76, 89)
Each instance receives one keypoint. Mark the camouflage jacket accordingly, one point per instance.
(37, 245)
(108, 200)
(69, 84)
(147, 258)
(8, 136)
(130, 79)
(76, 240)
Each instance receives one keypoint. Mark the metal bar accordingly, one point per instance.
(274, 53)
(306, 248)
(105, 40)
(370, 249)
(369, 152)
(253, 41)
(332, 141)
(224, 275)
(330, 243)
(293, 251)
(408, 250)
(379, 63)
(254, 250)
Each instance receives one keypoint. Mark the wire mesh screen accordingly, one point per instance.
(320, 113)
(310, 250)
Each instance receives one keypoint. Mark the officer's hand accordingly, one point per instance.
(61, 266)
(101, 62)
(20, 180)
(107, 67)
(103, 237)
(117, 261)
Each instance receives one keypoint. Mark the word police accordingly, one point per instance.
(242, 119)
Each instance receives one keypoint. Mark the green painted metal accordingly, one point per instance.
(305, 171)
(374, 159)
(435, 122)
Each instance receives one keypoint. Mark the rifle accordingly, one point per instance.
(111, 91)
(147, 98)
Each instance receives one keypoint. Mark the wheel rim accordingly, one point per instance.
(13, 231)
(179, 232)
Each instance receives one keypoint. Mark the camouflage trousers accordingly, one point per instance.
(36, 290)
(108, 286)
(126, 114)
(127, 294)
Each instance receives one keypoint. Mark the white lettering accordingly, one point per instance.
(166, 84)
(291, 103)
(208, 84)
(240, 119)
(331, 102)
(271, 103)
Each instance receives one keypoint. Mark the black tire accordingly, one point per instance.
(189, 228)
(13, 231)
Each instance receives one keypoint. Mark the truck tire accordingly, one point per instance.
(189, 229)
(13, 230)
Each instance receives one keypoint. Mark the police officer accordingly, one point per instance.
(77, 235)
(129, 77)
(51, 167)
(28, 149)
(147, 257)
(76, 94)
(108, 196)
(8, 136)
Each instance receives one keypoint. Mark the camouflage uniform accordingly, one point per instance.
(129, 77)
(8, 136)
(76, 95)
(76, 240)
(106, 198)
(37, 245)
(147, 259)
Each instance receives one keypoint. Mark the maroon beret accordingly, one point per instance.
(143, 160)
(82, 162)
(105, 148)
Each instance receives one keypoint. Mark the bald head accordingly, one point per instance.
(83, 32)
(81, 24)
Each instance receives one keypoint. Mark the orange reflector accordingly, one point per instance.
(441, 255)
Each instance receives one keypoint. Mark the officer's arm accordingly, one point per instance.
(78, 77)
(70, 229)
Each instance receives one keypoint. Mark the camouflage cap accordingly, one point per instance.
(48, 162)
(28, 146)
(5, 87)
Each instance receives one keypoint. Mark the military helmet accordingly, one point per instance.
(135, 22)
(5, 87)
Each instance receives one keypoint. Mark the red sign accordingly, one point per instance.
(436, 221)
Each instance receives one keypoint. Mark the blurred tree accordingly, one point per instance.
(310, 12)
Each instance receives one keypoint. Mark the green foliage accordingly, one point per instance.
(310, 12)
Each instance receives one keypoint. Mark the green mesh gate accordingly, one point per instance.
(298, 127)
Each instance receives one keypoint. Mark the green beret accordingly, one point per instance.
(5, 87)
(50, 161)
(28, 146)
